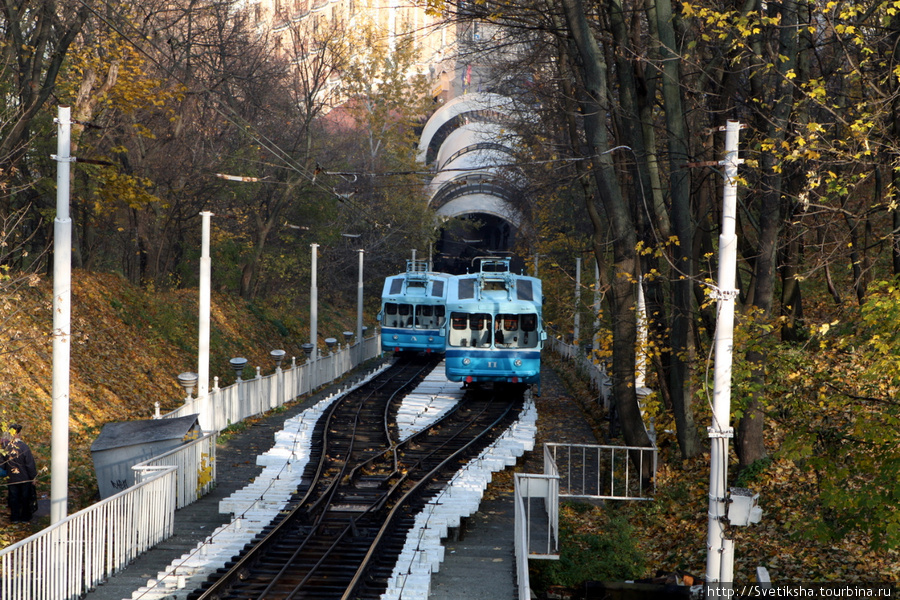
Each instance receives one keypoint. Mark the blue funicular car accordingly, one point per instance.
(495, 331)
(413, 311)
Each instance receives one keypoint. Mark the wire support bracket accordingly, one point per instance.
(719, 294)
(720, 433)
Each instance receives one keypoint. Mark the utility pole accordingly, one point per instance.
(359, 309)
(314, 304)
(62, 317)
(205, 299)
(597, 298)
(720, 551)
(576, 326)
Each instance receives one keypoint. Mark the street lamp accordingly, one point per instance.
(277, 356)
(188, 381)
(237, 365)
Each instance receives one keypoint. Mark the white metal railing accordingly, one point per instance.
(196, 463)
(69, 558)
(530, 487)
(601, 471)
(520, 535)
(72, 556)
(526, 488)
(575, 471)
(250, 397)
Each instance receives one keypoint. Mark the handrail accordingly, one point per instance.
(70, 557)
(246, 398)
(547, 487)
(520, 537)
(600, 380)
(593, 471)
(196, 463)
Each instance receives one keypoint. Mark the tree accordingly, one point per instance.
(37, 37)
(382, 194)
(595, 106)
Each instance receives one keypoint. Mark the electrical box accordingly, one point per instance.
(743, 509)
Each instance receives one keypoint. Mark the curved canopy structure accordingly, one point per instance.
(474, 203)
(471, 145)
(480, 107)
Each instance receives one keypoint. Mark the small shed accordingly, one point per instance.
(122, 445)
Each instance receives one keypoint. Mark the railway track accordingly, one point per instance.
(340, 535)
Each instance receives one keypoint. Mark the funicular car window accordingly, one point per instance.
(480, 324)
(529, 322)
(466, 289)
(459, 334)
(524, 290)
(390, 308)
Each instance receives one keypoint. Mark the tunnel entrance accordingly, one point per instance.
(473, 234)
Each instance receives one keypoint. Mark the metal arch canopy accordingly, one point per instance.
(455, 107)
(444, 179)
(480, 203)
(472, 154)
(474, 136)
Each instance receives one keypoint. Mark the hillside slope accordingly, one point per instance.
(128, 346)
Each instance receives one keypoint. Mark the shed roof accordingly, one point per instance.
(132, 433)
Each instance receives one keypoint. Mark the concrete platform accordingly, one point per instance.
(480, 563)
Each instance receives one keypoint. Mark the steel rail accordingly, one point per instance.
(333, 489)
(244, 563)
(388, 522)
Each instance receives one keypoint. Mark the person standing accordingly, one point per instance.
(19, 463)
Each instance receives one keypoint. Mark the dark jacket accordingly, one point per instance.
(18, 461)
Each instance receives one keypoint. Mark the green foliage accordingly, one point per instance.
(233, 429)
(753, 472)
(595, 545)
(562, 233)
(841, 396)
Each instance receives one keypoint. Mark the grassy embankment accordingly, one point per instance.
(128, 346)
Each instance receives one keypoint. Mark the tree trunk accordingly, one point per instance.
(682, 229)
(895, 132)
(618, 214)
(791, 298)
(750, 444)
